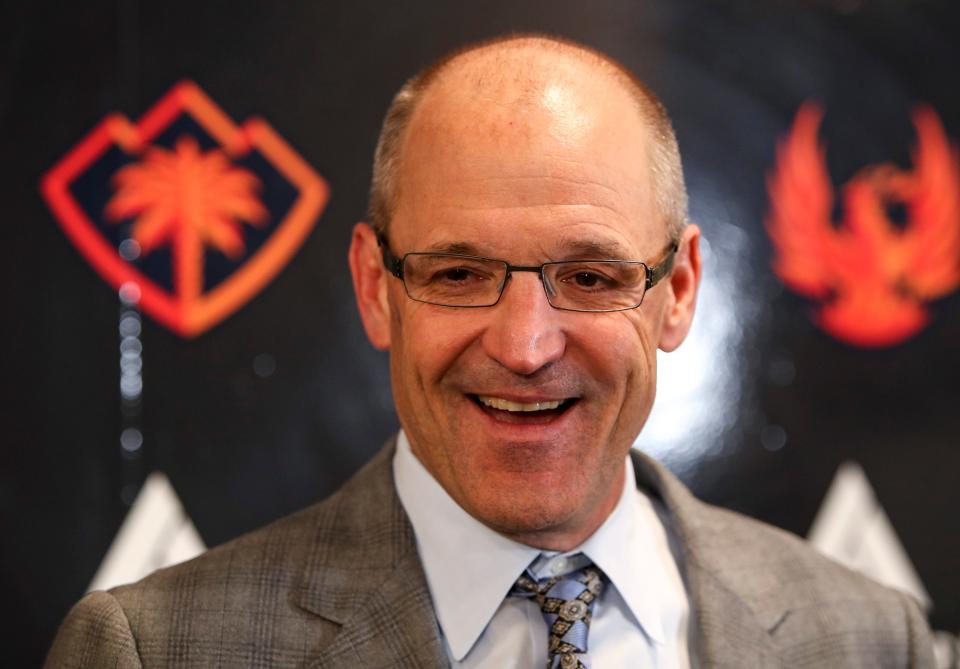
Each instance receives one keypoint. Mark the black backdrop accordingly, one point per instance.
(275, 406)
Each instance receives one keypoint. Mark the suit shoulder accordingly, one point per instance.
(812, 606)
(788, 560)
(275, 549)
(96, 633)
(805, 598)
(272, 557)
(255, 600)
(240, 599)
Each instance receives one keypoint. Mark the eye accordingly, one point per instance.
(450, 273)
(586, 279)
(456, 275)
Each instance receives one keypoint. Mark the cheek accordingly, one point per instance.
(627, 343)
(642, 386)
(431, 340)
(623, 351)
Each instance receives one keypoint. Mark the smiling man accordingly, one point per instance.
(522, 392)
(528, 253)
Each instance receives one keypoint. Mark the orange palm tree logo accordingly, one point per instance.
(191, 200)
(188, 199)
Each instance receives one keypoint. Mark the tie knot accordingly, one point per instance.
(566, 602)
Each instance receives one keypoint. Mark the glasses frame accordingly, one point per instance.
(654, 273)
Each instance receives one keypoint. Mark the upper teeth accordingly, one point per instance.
(507, 405)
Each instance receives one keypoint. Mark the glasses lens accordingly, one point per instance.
(452, 280)
(599, 285)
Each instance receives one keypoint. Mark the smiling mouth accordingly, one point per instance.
(511, 411)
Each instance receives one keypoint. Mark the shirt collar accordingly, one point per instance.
(471, 568)
(624, 547)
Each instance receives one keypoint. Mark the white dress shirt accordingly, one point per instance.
(640, 619)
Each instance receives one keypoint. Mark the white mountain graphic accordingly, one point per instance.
(156, 533)
(853, 529)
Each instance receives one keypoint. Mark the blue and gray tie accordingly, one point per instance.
(566, 602)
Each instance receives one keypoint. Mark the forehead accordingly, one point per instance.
(556, 151)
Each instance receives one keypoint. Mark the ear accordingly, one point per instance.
(684, 281)
(370, 285)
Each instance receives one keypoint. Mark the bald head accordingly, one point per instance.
(519, 74)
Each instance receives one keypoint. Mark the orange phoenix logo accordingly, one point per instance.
(196, 212)
(872, 275)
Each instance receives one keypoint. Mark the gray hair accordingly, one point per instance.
(669, 189)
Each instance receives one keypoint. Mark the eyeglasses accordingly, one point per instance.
(455, 280)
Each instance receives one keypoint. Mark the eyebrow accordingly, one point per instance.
(589, 248)
(580, 248)
(460, 248)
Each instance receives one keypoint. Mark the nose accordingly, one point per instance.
(524, 334)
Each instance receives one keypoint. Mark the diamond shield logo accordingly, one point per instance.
(197, 212)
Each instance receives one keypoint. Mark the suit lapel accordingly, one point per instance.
(730, 629)
(726, 632)
(394, 627)
(363, 573)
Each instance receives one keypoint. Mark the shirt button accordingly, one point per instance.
(559, 566)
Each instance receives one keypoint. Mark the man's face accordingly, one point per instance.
(562, 177)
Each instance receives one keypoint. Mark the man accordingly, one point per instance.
(528, 254)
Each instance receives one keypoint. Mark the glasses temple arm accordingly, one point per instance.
(393, 264)
(663, 269)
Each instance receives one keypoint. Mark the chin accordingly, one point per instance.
(531, 512)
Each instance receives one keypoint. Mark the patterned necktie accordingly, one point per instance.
(567, 605)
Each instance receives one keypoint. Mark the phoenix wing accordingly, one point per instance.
(810, 250)
(932, 240)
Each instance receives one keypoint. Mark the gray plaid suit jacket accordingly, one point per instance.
(340, 585)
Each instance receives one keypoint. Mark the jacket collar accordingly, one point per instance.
(364, 574)
(729, 628)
